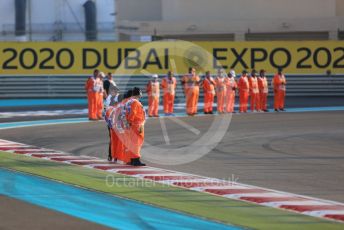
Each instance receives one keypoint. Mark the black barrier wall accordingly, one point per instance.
(72, 86)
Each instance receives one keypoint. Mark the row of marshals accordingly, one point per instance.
(125, 119)
(256, 87)
(168, 85)
(97, 89)
(223, 86)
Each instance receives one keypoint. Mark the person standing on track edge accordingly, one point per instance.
(220, 91)
(109, 114)
(279, 85)
(91, 95)
(110, 103)
(169, 84)
(244, 88)
(153, 91)
(135, 116)
(209, 93)
(98, 88)
(231, 87)
(191, 82)
(254, 92)
(263, 90)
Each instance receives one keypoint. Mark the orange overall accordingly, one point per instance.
(91, 98)
(209, 93)
(136, 119)
(191, 89)
(263, 92)
(99, 91)
(119, 147)
(220, 93)
(153, 91)
(254, 93)
(278, 84)
(244, 88)
(231, 86)
(169, 86)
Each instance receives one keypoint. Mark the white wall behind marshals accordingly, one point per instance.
(47, 12)
(181, 10)
(6, 11)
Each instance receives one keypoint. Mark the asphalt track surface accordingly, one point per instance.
(295, 152)
(291, 102)
(301, 153)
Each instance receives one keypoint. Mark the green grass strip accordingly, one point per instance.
(221, 209)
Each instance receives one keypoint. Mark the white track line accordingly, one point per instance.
(14, 146)
(300, 202)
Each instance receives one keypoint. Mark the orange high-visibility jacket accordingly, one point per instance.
(191, 81)
(89, 84)
(263, 85)
(253, 82)
(191, 89)
(243, 84)
(231, 84)
(136, 115)
(209, 85)
(169, 85)
(220, 84)
(91, 97)
(153, 89)
(279, 82)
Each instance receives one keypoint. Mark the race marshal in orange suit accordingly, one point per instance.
(263, 90)
(244, 88)
(190, 83)
(91, 95)
(254, 92)
(209, 93)
(121, 128)
(169, 84)
(153, 91)
(220, 91)
(135, 116)
(279, 85)
(100, 95)
(231, 87)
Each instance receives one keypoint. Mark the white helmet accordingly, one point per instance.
(155, 76)
(232, 72)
